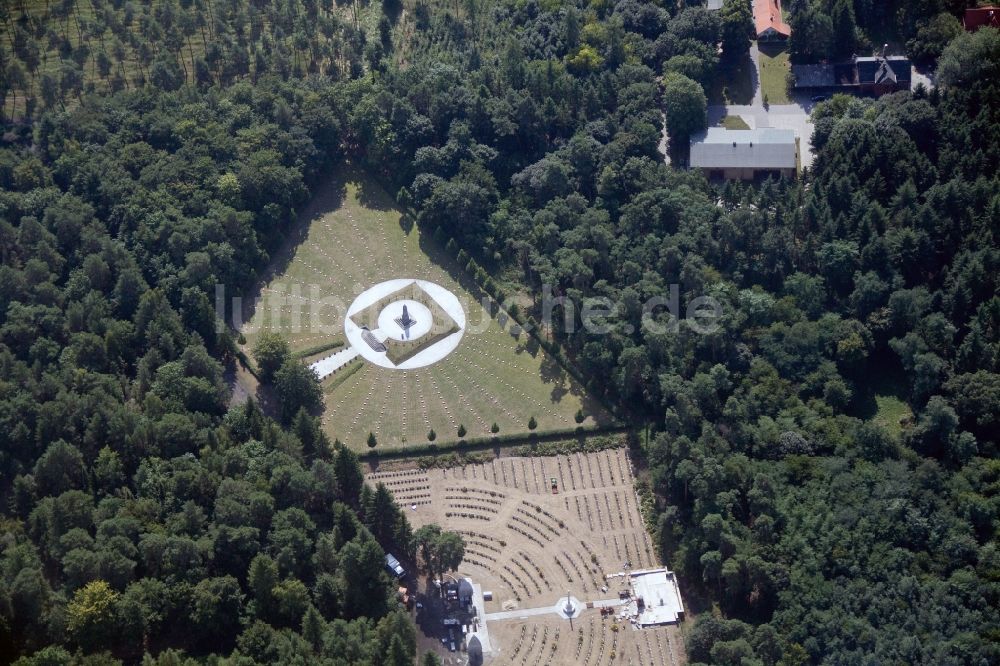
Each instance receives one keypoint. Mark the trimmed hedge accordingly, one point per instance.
(341, 375)
(489, 286)
(319, 349)
(480, 443)
(564, 446)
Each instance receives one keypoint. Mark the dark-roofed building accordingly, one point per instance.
(475, 650)
(878, 75)
(465, 592)
(875, 75)
(978, 17)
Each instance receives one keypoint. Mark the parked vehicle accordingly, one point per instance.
(393, 565)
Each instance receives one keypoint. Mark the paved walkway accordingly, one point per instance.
(758, 93)
(925, 77)
(483, 631)
(794, 116)
(783, 116)
(327, 366)
(554, 609)
(520, 613)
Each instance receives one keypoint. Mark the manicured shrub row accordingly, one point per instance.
(519, 580)
(399, 473)
(542, 511)
(527, 535)
(475, 507)
(522, 521)
(407, 484)
(565, 572)
(541, 575)
(471, 516)
(342, 374)
(478, 553)
(527, 574)
(532, 443)
(481, 540)
(319, 349)
(536, 519)
(513, 589)
(481, 491)
(497, 295)
(474, 499)
(519, 643)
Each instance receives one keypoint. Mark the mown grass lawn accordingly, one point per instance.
(352, 236)
(892, 413)
(734, 123)
(774, 70)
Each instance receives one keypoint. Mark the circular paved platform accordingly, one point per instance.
(389, 329)
(389, 320)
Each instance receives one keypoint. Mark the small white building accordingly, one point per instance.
(656, 599)
(745, 154)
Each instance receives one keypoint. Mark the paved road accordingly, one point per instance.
(663, 141)
(783, 116)
(794, 116)
(926, 77)
(483, 629)
(555, 609)
(758, 97)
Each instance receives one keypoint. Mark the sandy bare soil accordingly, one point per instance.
(530, 547)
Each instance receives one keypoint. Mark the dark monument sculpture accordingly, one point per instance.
(405, 322)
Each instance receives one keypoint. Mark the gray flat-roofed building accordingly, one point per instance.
(745, 154)
(713, 4)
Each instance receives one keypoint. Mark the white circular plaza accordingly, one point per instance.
(377, 330)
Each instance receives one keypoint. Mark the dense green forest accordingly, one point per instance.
(825, 462)
(140, 514)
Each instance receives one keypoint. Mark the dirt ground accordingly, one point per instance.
(530, 546)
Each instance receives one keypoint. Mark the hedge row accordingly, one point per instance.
(562, 447)
(342, 374)
(490, 287)
(319, 349)
(480, 443)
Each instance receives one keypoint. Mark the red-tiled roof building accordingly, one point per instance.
(978, 17)
(768, 22)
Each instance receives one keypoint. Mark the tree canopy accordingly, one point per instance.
(821, 466)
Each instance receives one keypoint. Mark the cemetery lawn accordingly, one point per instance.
(353, 236)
